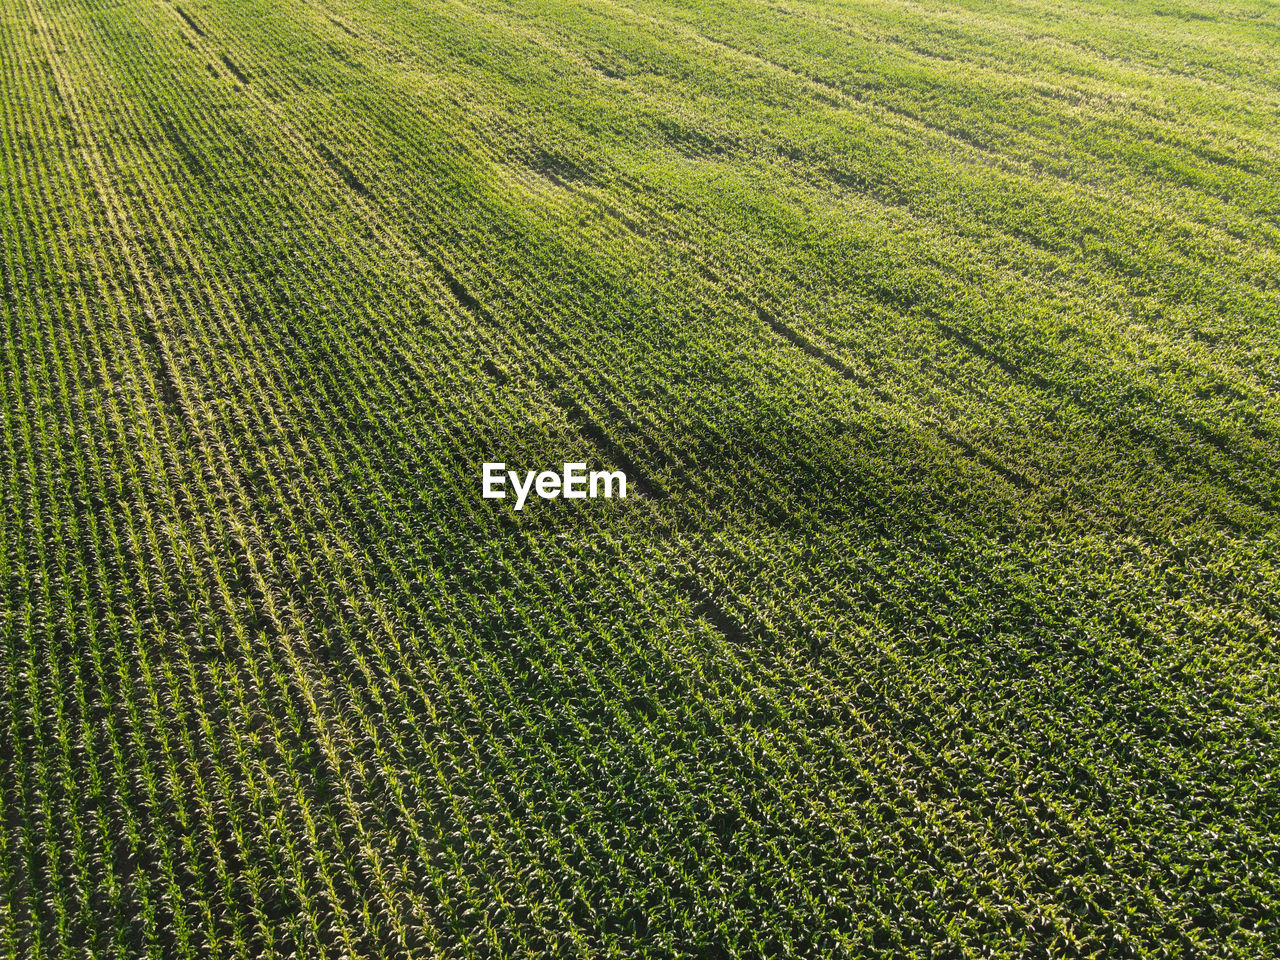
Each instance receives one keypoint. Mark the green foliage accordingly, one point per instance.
(939, 343)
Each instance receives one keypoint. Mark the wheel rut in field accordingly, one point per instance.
(190, 21)
(614, 452)
(241, 77)
(833, 362)
(344, 172)
(1158, 446)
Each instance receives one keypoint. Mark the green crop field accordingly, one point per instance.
(939, 343)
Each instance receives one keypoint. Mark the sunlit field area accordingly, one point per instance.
(939, 346)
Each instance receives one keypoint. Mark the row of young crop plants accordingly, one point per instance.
(324, 527)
